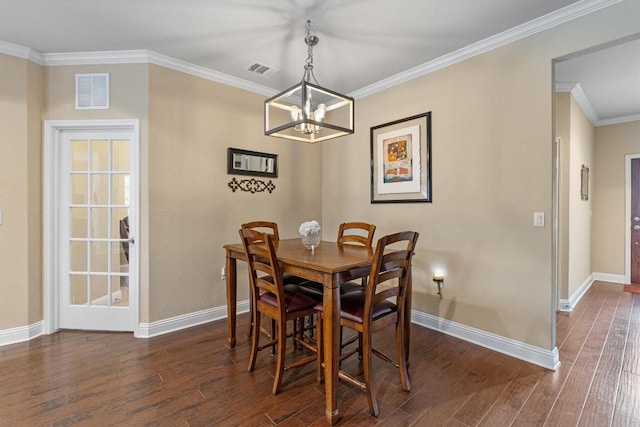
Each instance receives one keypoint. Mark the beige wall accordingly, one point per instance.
(128, 99)
(192, 210)
(20, 193)
(492, 140)
(581, 141)
(35, 93)
(612, 144)
(576, 133)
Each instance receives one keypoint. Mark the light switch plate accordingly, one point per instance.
(538, 219)
(0, 218)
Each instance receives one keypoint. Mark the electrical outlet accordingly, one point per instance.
(223, 273)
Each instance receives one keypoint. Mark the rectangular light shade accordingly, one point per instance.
(338, 120)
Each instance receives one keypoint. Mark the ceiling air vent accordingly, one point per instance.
(92, 91)
(261, 69)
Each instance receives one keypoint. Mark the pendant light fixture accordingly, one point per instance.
(308, 112)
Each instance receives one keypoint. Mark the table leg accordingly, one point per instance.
(331, 332)
(232, 285)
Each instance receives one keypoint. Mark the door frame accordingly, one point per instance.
(52, 146)
(627, 220)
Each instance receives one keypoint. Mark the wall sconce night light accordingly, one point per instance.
(438, 277)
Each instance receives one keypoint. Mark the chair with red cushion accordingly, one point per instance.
(279, 302)
(271, 228)
(379, 304)
(355, 233)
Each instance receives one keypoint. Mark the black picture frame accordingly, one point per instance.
(401, 160)
(251, 163)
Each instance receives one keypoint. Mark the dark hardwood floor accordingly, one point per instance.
(189, 378)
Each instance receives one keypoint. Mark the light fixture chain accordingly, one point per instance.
(311, 41)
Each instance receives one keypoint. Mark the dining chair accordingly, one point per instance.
(349, 233)
(271, 228)
(380, 304)
(355, 233)
(280, 303)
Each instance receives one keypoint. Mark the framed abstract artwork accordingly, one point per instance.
(401, 160)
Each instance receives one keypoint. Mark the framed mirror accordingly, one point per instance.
(254, 163)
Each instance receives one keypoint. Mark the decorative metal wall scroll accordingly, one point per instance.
(251, 185)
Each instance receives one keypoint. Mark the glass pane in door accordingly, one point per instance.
(98, 223)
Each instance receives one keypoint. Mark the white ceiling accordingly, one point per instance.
(609, 81)
(363, 43)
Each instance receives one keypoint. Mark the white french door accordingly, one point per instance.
(96, 282)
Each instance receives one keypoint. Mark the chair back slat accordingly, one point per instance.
(265, 227)
(359, 233)
(390, 270)
(261, 258)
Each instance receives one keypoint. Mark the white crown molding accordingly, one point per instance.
(206, 73)
(537, 25)
(618, 120)
(534, 26)
(150, 57)
(145, 56)
(20, 52)
(581, 98)
(96, 58)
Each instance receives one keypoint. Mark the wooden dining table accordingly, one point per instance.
(330, 264)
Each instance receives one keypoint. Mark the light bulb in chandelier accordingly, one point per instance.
(317, 115)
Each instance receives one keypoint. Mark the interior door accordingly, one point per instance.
(96, 234)
(635, 221)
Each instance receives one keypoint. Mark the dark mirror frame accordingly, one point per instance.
(234, 169)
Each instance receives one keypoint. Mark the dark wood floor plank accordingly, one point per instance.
(190, 378)
(510, 402)
(632, 350)
(568, 407)
(627, 410)
(472, 412)
(598, 407)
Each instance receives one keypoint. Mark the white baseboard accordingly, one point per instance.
(608, 277)
(20, 334)
(568, 304)
(148, 330)
(546, 358)
(538, 356)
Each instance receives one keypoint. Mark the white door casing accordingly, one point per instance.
(60, 310)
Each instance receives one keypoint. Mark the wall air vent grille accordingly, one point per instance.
(261, 69)
(92, 91)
